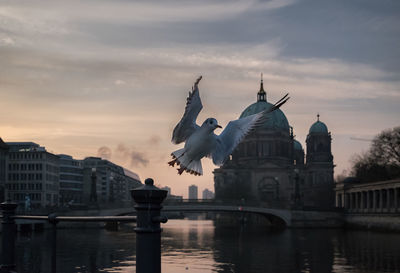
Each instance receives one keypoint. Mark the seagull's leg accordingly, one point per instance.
(181, 170)
(172, 162)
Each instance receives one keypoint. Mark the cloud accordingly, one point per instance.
(131, 157)
(104, 152)
(154, 140)
(138, 159)
(119, 82)
(128, 157)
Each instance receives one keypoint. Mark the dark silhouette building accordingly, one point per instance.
(3, 168)
(268, 163)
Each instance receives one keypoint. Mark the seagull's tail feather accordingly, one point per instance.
(186, 164)
(178, 153)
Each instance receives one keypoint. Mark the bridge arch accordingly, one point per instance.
(276, 216)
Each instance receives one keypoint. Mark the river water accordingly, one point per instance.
(202, 246)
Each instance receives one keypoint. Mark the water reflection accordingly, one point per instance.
(202, 246)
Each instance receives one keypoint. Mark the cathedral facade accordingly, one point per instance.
(269, 166)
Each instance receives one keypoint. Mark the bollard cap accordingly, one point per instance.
(149, 181)
(148, 193)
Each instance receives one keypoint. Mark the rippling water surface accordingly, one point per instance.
(201, 246)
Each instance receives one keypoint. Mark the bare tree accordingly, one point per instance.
(382, 161)
(386, 147)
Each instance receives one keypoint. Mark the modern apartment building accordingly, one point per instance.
(32, 174)
(3, 168)
(207, 194)
(193, 192)
(71, 181)
(112, 182)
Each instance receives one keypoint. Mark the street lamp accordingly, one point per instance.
(297, 195)
(93, 187)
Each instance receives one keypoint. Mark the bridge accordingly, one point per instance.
(290, 218)
(278, 217)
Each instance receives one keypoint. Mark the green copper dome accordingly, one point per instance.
(318, 127)
(277, 119)
(297, 145)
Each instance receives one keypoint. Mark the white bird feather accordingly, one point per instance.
(200, 141)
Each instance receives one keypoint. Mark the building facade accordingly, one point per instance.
(32, 175)
(207, 194)
(112, 183)
(193, 192)
(369, 197)
(268, 166)
(3, 168)
(71, 181)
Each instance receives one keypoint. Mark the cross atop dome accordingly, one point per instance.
(261, 95)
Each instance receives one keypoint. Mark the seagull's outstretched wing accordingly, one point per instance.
(236, 130)
(187, 125)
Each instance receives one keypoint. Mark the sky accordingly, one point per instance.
(110, 78)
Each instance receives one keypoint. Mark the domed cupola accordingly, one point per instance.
(319, 143)
(297, 145)
(298, 153)
(277, 119)
(318, 127)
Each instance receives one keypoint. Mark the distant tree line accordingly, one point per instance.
(382, 160)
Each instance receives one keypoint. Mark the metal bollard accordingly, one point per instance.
(53, 221)
(8, 235)
(148, 232)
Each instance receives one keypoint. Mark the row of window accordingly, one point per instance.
(66, 185)
(26, 156)
(52, 168)
(25, 167)
(32, 196)
(70, 163)
(264, 148)
(53, 178)
(71, 170)
(25, 176)
(51, 187)
(24, 186)
(77, 178)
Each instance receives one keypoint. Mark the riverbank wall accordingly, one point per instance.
(383, 222)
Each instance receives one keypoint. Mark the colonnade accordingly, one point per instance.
(385, 200)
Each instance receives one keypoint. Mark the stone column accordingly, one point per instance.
(361, 201)
(396, 200)
(373, 200)
(346, 201)
(380, 200)
(357, 203)
(350, 201)
(367, 208)
(337, 200)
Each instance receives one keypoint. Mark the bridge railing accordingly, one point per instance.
(148, 200)
(228, 202)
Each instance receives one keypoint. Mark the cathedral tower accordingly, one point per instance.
(318, 189)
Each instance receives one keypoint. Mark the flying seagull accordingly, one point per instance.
(200, 141)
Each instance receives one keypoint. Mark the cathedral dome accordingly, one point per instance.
(277, 119)
(297, 145)
(318, 127)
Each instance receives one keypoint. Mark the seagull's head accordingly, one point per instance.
(211, 124)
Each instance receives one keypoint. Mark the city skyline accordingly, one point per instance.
(111, 80)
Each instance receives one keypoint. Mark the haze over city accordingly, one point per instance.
(110, 79)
